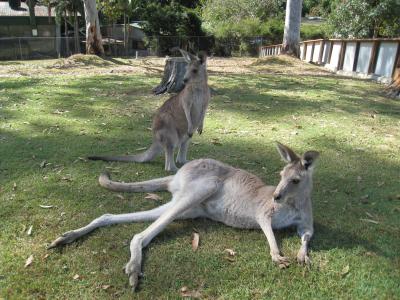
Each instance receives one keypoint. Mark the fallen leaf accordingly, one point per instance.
(14, 187)
(120, 196)
(216, 142)
(195, 241)
(230, 252)
(29, 232)
(105, 286)
(43, 164)
(185, 292)
(345, 271)
(141, 149)
(29, 261)
(46, 206)
(152, 196)
(370, 221)
(76, 277)
(46, 256)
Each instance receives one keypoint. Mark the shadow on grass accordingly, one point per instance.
(337, 223)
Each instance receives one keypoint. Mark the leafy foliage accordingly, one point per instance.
(364, 18)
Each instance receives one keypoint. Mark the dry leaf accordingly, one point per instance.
(76, 277)
(29, 232)
(43, 164)
(29, 261)
(230, 252)
(152, 196)
(14, 187)
(120, 196)
(345, 271)
(46, 206)
(141, 149)
(216, 142)
(105, 286)
(370, 221)
(195, 241)
(185, 292)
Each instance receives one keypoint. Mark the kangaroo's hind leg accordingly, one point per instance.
(185, 199)
(110, 219)
(181, 157)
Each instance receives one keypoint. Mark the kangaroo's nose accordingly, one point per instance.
(277, 196)
(185, 80)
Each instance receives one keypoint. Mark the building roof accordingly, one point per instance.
(23, 11)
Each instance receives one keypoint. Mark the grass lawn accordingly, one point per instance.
(54, 113)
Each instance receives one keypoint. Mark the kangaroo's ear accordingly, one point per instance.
(286, 153)
(202, 57)
(309, 158)
(187, 56)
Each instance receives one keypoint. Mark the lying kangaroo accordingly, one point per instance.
(208, 188)
(177, 119)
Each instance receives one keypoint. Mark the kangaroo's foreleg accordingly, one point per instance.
(187, 105)
(302, 255)
(110, 219)
(184, 200)
(265, 223)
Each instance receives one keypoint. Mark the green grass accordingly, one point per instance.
(58, 115)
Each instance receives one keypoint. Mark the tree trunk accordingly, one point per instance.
(76, 33)
(32, 17)
(94, 44)
(291, 36)
(172, 81)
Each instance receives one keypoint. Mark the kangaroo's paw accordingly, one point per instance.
(303, 258)
(282, 261)
(65, 238)
(133, 270)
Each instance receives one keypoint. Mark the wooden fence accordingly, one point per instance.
(370, 58)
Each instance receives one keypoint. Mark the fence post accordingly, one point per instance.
(374, 55)
(304, 50)
(396, 62)
(356, 56)
(20, 49)
(341, 55)
(321, 51)
(312, 51)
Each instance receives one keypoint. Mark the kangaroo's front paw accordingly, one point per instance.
(282, 261)
(132, 269)
(303, 258)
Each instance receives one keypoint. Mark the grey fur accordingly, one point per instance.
(211, 189)
(177, 119)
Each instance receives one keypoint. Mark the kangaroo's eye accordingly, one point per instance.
(194, 71)
(295, 181)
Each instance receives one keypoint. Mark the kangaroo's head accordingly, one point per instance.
(196, 70)
(296, 176)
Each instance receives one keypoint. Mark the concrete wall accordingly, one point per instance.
(386, 59)
(364, 56)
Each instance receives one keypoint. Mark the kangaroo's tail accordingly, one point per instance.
(147, 155)
(154, 185)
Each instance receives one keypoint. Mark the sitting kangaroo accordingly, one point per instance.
(177, 119)
(211, 189)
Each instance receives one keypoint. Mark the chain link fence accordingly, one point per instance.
(21, 48)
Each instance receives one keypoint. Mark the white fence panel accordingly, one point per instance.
(349, 57)
(386, 57)
(317, 48)
(364, 56)
(333, 64)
